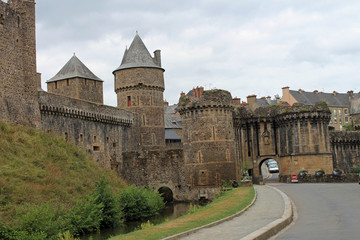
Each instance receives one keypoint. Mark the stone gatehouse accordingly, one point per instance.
(219, 139)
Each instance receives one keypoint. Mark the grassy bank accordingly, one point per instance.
(43, 175)
(226, 205)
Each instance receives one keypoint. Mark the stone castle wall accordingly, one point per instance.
(80, 88)
(103, 131)
(19, 80)
(346, 150)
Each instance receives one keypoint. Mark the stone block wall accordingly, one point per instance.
(103, 131)
(345, 149)
(80, 88)
(19, 80)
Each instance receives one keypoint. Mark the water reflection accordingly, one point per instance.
(171, 211)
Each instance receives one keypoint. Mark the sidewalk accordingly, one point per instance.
(263, 216)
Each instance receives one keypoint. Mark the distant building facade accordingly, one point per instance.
(339, 103)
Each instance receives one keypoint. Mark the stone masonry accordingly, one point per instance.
(220, 138)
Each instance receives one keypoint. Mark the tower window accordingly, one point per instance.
(67, 82)
(143, 120)
(153, 139)
(129, 101)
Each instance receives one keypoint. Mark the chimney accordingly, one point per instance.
(335, 92)
(300, 90)
(182, 94)
(316, 91)
(166, 103)
(268, 99)
(194, 92)
(351, 92)
(201, 90)
(157, 57)
(251, 100)
(236, 100)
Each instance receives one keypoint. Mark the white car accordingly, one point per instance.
(273, 168)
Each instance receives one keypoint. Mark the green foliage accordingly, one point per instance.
(136, 203)
(111, 212)
(10, 234)
(45, 184)
(146, 225)
(44, 218)
(193, 208)
(66, 236)
(356, 170)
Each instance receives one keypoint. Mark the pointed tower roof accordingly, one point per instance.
(72, 69)
(137, 56)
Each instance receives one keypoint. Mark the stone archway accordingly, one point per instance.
(257, 172)
(166, 193)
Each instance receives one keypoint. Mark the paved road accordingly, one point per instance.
(259, 215)
(325, 211)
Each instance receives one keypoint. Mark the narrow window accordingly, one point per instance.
(107, 139)
(129, 101)
(143, 120)
(346, 119)
(85, 82)
(66, 136)
(18, 21)
(94, 138)
(56, 85)
(199, 156)
(67, 82)
(95, 83)
(213, 132)
(81, 138)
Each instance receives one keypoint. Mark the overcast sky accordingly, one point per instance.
(243, 46)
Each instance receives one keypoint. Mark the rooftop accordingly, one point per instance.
(72, 69)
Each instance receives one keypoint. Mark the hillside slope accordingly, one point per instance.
(37, 168)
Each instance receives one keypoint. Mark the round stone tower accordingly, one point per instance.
(209, 139)
(139, 85)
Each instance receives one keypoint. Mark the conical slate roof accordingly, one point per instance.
(137, 56)
(72, 69)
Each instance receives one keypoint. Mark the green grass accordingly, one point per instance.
(230, 203)
(38, 168)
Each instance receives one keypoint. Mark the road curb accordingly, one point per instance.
(276, 226)
(183, 234)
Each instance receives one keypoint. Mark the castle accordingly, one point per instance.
(219, 138)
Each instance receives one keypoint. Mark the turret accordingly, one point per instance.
(139, 85)
(209, 138)
(75, 80)
(19, 81)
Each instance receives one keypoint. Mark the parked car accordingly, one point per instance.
(273, 168)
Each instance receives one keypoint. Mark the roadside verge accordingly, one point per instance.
(276, 226)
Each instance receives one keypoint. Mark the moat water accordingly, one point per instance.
(171, 211)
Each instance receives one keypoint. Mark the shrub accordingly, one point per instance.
(356, 170)
(111, 213)
(136, 203)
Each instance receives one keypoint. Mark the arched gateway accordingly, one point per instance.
(297, 138)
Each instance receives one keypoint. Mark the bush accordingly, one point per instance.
(357, 170)
(137, 203)
(111, 213)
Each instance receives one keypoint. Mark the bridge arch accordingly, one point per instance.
(167, 193)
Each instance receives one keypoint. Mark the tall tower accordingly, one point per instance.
(209, 139)
(19, 81)
(139, 85)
